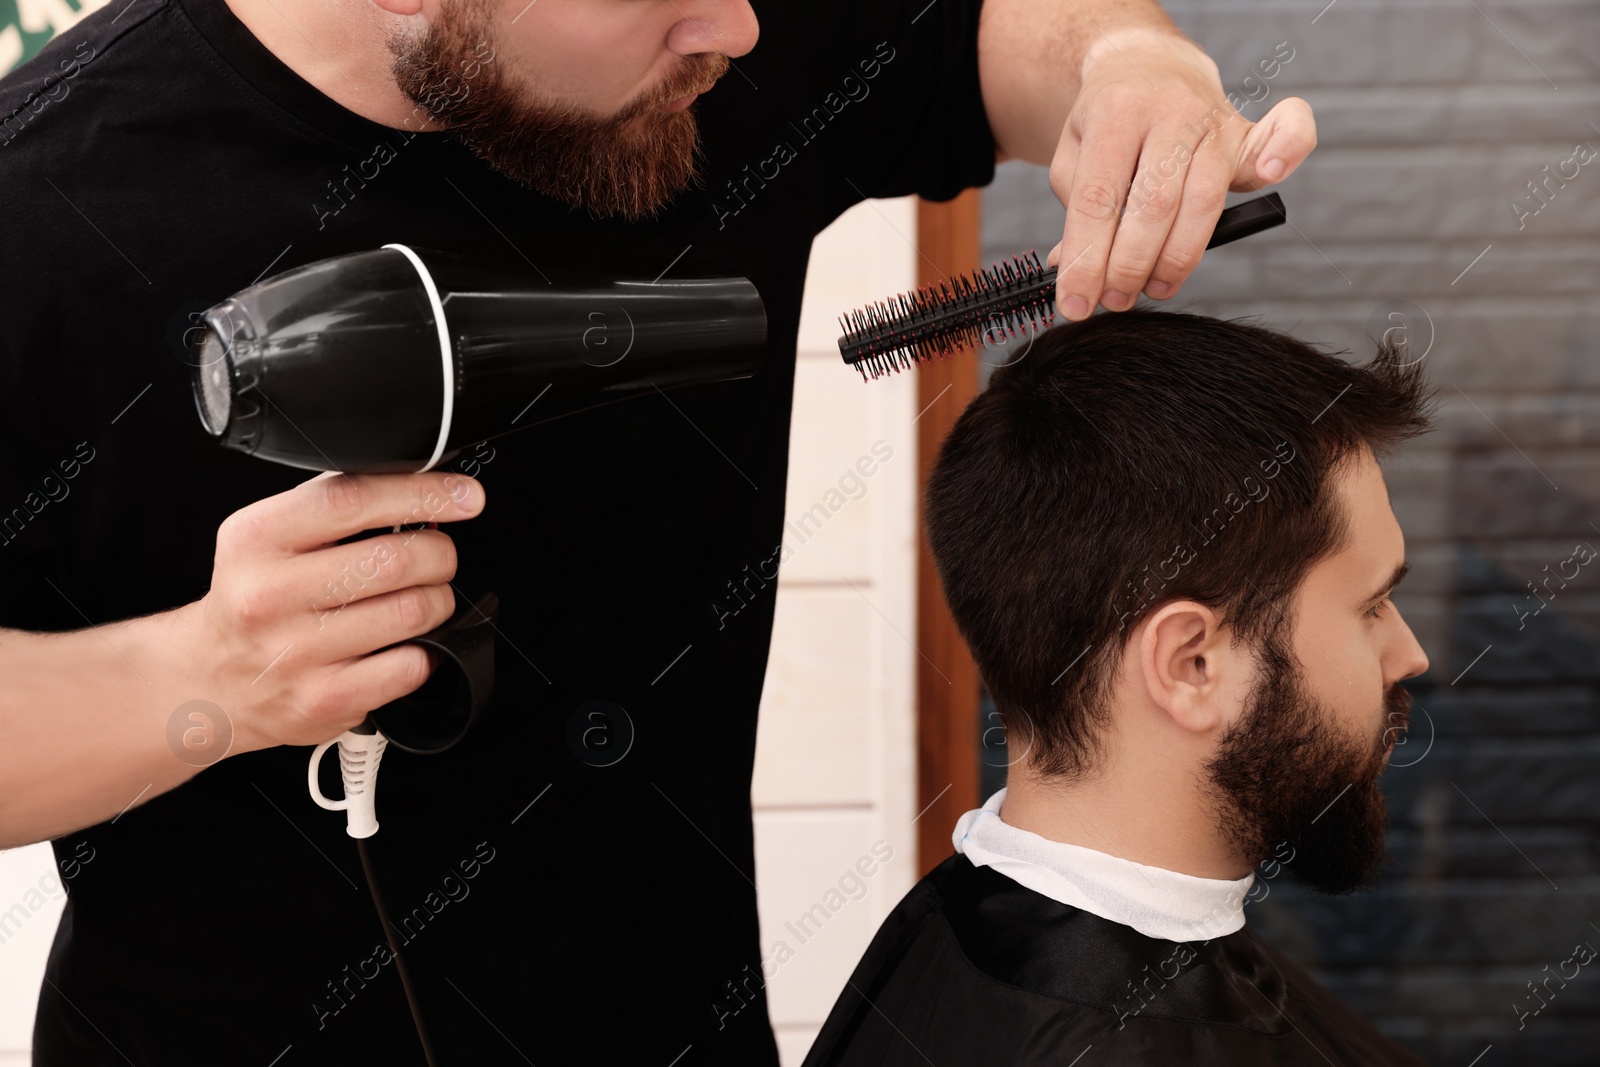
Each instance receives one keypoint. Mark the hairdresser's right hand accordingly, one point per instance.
(283, 640)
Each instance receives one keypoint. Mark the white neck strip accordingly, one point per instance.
(1153, 900)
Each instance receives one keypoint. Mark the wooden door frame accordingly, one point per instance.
(947, 680)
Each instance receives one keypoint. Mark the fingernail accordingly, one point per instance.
(1116, 301)
(1075, 308)
(1158, 290)
(1271, 169)
(471, 497)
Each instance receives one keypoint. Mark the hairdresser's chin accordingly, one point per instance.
(589, 104)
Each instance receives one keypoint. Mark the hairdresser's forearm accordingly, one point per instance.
(1030, 60)
(83, 725)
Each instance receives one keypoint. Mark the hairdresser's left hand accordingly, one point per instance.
(1152, 100)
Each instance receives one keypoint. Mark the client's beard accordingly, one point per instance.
(627, 164)
(1280, 775)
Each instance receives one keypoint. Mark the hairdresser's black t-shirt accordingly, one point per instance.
(555, 911)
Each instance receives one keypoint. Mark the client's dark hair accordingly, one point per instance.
(1130, 460)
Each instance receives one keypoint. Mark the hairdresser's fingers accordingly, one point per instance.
(1204, 194)
(1113, 133)
(331, 577)
(1159, 190)
(1286, 134)
(332, 506)
(1061, 169)
(346, 694)
(313, 681)
(1276, 145)
(359, 628)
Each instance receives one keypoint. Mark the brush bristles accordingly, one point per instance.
(936, 320)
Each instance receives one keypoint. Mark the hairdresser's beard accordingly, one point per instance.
(627, 164)
(1289, 773)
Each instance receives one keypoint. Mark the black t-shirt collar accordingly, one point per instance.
(277, 81)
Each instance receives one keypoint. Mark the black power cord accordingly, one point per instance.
(394, 947)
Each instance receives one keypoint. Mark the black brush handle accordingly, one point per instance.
(1240, 220)
(1252, 216)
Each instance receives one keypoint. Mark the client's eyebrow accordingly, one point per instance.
(1400, 571)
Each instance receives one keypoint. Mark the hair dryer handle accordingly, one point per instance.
(440, 713)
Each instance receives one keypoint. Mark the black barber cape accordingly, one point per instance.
(972, 969)
(574, 883)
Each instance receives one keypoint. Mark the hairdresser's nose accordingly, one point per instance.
(726, 26)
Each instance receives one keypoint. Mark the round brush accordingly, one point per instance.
(989, 304)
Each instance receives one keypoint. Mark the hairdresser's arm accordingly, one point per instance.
(83, 721)
(95, 721)
(1098, 88)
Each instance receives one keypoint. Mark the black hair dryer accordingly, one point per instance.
(398, 359)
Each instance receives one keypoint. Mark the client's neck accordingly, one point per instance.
(1145, 809)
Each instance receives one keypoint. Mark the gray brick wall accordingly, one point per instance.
(1432, 118)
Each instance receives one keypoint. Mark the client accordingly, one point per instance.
(1169, 546)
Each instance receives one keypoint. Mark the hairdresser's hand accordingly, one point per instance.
(282, 641)
(1152, 100)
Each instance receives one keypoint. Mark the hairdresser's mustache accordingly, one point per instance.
(697, 76)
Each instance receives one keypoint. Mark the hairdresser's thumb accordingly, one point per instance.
(1276, 145)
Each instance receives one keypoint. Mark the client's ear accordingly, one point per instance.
(1189, 667)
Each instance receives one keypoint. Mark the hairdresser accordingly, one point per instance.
(573, 883)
